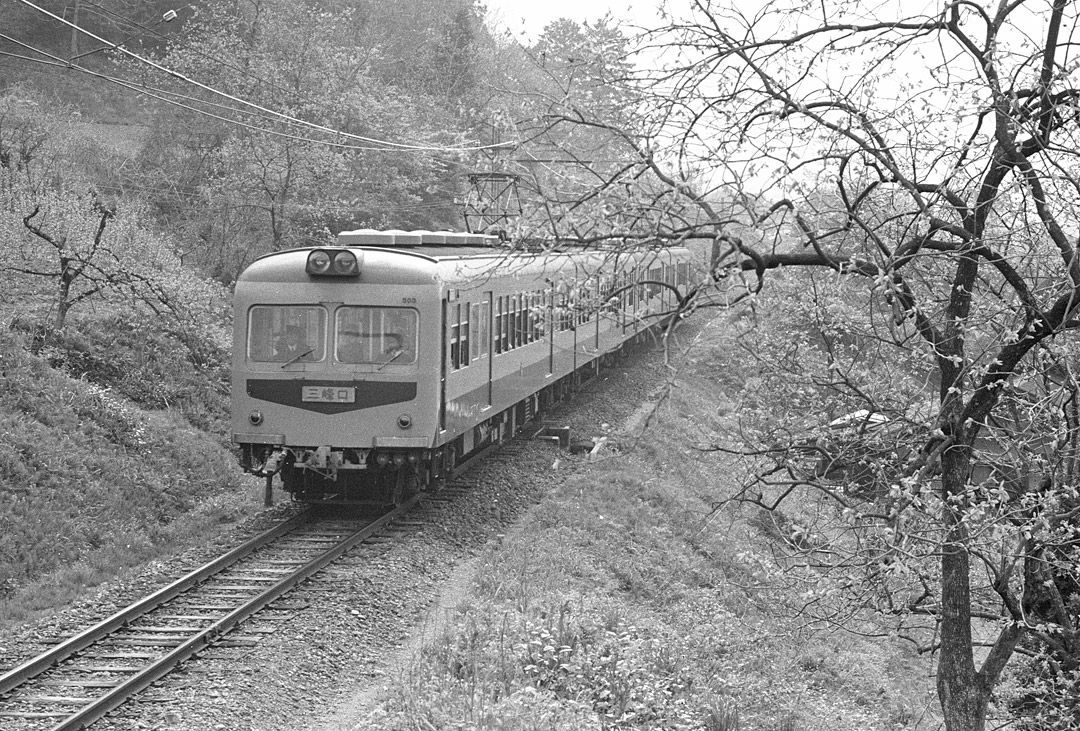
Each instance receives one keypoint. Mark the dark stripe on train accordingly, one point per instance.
(289, 392)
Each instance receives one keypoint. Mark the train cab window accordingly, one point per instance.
(286, 334)
(375, 335)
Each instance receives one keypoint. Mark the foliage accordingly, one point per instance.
(369, 104)
(625, 677)
(570, 76)
(27, 125)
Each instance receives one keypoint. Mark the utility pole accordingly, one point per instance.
(75, 30)
(492, 204)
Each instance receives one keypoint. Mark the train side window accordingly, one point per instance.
(534, 316)
(512, 317)
(474, 343)
(466, 335)
(286, 333)
(483, 328)
(518, 330)
(459, 335)
(656, 274)
(477, 334)
(523, 319)
(562, 306)
(504, 332)
(455, 335)
(375, 335)
(542, 309)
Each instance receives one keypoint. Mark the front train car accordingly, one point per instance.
(337, 368)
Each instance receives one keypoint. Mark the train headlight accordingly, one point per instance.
(345, 264)
(404, 421)
(255, 417)
(382, 458)
(399, 460)
(333, 263)
(318, 262)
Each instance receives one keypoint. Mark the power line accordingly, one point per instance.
(215, 59)
(280, 115)
(247, 203)
(154, 93)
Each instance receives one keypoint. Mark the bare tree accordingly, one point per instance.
(72, 264)
(931, 155)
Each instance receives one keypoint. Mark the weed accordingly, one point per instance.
(722, 716)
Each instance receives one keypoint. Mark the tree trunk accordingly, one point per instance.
(63, 292)
(962, 694)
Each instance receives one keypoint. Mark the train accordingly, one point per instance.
(373, 368)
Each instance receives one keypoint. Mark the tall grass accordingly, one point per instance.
(90, 481)
(622, 601)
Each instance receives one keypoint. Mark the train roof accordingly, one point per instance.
(435, 244)
(424, 256)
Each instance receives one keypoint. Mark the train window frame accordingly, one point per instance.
(269, 327)
(380, 347)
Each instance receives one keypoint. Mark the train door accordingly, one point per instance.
(444, 357)
(599, 314)
(487, 335)
(549, 323)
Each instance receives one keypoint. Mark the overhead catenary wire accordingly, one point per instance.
(155, 93)
(280, 115)
(150, 29)
(294, 205)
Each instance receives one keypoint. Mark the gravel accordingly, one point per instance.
(316, 658)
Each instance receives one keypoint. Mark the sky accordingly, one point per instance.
(530, 16)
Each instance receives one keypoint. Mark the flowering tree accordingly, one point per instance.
(917, 424)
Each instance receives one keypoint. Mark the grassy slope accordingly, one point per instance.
(90, 484)
(623, 601)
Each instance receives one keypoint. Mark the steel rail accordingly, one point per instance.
(37, 665)
(162, 666)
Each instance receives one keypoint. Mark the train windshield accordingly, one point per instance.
(379, 335)
(286, 334)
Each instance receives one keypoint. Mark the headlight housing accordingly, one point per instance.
(333, 263)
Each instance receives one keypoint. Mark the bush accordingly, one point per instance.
(137, 360)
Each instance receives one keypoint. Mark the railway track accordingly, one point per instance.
(86, 676)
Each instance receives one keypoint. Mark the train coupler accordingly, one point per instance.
(273, 463)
